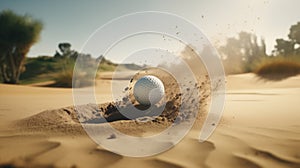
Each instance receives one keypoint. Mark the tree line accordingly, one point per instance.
(19, 32)
(240, 54)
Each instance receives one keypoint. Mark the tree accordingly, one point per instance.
(65, 48)
(17, 34)
(65, 51)
(240, 53)
(292, 45)
(294, 34)
(284, 47)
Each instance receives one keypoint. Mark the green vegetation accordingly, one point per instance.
(278, 68)
(106, 65)
(40, 68)
(291, 46)
(64, 78)
(59, 68)
(246, 54)
(17, 34)
(285, 61)
(241, 53)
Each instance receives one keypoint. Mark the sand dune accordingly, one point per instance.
(260, 128)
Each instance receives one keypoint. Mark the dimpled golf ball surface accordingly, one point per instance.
(148, 90)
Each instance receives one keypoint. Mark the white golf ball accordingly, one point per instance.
(148, 90)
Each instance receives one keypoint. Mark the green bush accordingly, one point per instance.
(278, 68)
(38, 66)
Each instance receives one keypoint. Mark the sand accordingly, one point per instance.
(260, 128)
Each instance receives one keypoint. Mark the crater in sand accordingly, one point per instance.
(67, 120)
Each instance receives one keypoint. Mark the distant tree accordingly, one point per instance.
(17, 34)
(294, 34)
(240, 53)
(65, 48)
(284, 47)
(65, 51)
(292, 45)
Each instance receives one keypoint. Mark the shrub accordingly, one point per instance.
(64, 79)
(278, 68)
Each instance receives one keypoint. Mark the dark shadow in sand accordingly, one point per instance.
(111, 114)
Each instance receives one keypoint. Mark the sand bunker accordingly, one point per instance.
(261, 130)
(161, 116)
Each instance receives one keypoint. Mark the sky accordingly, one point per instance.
(74, 20)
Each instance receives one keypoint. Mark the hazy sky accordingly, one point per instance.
(73, 20)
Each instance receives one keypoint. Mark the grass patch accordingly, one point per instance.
(37, 79)
(60, 70)
(35, 67)
(106, 66)
(278, 68)
(63, 79)
(47, 68)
